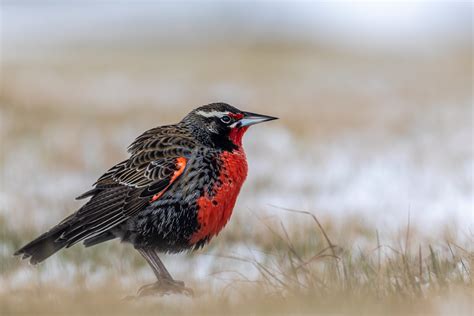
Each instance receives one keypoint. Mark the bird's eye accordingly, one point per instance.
(226, 119)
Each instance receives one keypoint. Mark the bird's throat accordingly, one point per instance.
(236, 135)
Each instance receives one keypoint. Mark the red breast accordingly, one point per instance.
(214, 212)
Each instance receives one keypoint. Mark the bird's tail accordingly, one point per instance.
(44, 246)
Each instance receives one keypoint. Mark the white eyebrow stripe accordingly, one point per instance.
(212, 113)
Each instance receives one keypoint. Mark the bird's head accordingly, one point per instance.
(222, 125)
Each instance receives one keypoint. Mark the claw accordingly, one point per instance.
(164, 287)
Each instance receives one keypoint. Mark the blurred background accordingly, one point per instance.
(374, 100)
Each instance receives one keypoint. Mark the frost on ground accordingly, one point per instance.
(371, 175)
(363, 143)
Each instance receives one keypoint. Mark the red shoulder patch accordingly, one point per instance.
(180, 165)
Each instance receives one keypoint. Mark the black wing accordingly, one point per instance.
(157, 161)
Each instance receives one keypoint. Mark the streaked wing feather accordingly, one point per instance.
(126, 188)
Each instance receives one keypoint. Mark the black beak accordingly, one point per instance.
(254, 118)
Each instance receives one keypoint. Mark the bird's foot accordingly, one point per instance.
(164, 287)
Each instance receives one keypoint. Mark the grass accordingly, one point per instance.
(382, 272)
(62, 124)
(304, 271)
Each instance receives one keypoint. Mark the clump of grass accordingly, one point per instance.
(410, 272)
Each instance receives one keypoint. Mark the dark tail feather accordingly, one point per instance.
(43, 246)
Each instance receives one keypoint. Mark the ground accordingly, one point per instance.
(377, 146)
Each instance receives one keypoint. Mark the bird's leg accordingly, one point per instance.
(165, 283)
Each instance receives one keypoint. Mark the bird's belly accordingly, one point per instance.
(214, 210)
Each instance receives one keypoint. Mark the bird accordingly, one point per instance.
(174, 193)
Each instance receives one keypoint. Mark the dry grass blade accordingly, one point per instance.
(331, 245)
